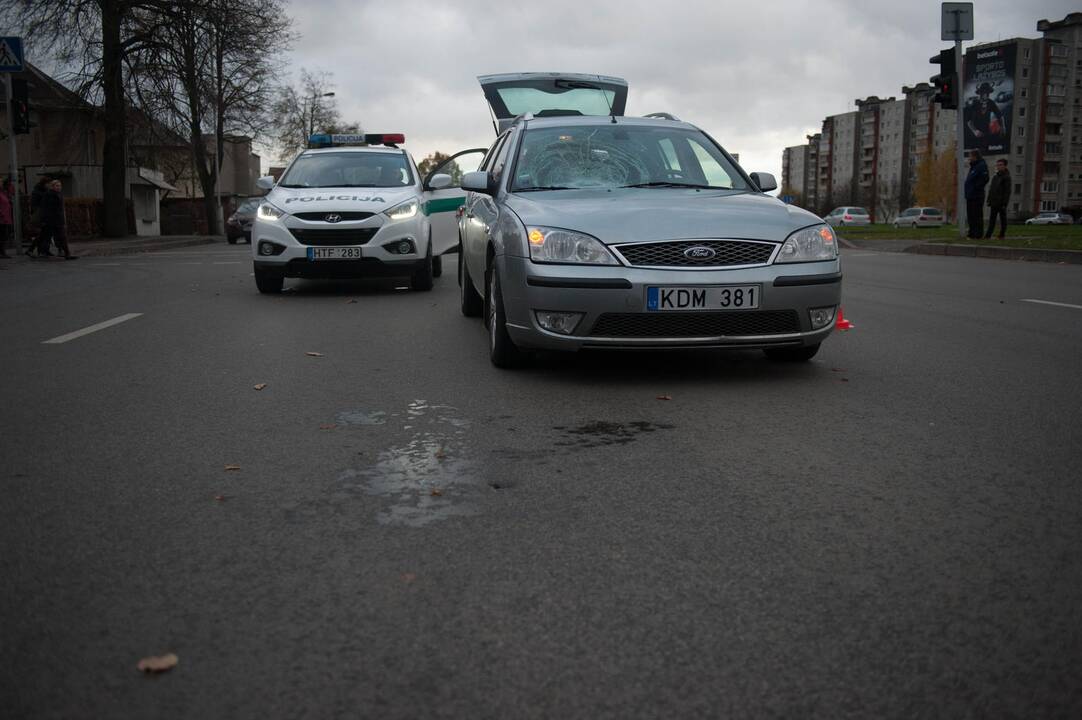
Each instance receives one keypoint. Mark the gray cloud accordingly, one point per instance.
(757, 76)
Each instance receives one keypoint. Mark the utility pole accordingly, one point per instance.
(957, 24)
(16, 206)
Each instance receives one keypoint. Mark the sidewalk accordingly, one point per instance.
(134, 245)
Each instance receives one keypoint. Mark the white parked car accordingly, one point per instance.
(1051, 218)
(916, 217)
(848, 216)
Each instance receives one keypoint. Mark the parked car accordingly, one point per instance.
(1051, 218)
(239, 224)
(585, 228)
(919, 217)
(848, 216)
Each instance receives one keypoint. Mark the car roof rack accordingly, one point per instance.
(663, 116)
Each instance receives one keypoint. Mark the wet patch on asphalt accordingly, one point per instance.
(600, 433)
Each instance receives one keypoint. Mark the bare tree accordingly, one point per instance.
(93, 37)
(304, 109)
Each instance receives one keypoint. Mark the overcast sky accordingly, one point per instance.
(757, 75)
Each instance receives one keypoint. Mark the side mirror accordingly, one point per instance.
(266, 182)
(478, 181)
(438, 181)
(765, 181)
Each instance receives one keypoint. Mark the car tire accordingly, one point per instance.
(792, 354)
(437, 266)
(471, 304)
(502, 350)
(231, 240)
(268, 284)
(421, 279)
(914, 225)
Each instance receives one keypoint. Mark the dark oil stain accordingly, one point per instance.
(600, 433)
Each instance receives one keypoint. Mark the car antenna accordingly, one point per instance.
(608, 102)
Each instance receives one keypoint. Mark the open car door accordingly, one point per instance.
(443, 196)
(548, 94)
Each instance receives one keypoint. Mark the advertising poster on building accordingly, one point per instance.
(987, 97)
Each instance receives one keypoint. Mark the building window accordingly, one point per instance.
(1050, 186)
(1025, 72)
(1016, 207)
(1053, 148)
(1024, 92)
(1059, 51)
(1025, 54)
(1048, 205)
(1018, 187)
(1022, 112)
(1056, 91)
(1018, 149)
(1021, 132)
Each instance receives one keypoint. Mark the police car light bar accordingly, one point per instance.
(322, 140)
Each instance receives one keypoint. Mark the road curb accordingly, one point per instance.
(1070, 257)
(88, 250)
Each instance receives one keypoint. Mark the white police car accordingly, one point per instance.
(353, 206)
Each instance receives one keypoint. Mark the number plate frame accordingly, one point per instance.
(702, 298)
(334, 253)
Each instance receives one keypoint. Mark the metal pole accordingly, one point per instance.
(960, 201)
(16, 209)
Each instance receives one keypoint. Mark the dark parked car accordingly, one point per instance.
(239, 224)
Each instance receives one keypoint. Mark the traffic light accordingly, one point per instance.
(20, 106)
(946, 81)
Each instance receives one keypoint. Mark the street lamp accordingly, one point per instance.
(312, 112)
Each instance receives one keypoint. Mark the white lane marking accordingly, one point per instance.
(1049, 302)
(91, 329)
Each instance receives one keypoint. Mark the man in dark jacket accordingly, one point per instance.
(53, 222)
(999, 192)
(975, 182)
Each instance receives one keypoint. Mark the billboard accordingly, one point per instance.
(988, 97)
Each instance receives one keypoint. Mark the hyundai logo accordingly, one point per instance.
(699, 252)
(333, 218)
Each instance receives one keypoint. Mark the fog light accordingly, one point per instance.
(821, 317)
(400, 247)
(558, 322)
(405, 247)
(269, 248)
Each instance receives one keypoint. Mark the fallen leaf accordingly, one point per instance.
(843, 380)
(260, 386)
(664, 397)
(158, 664)
(327, 426)
(232, 467)
(837, 369)
(313, 354)
(440, 454)
(222, 498)
(351, 301)
(409, 577)
(436, 492)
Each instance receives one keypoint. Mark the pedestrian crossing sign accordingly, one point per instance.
(11, 54)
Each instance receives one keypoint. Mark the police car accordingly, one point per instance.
(353, 206)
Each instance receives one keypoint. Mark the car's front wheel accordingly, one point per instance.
(268, 284)
(421, 280)
(437, 266)
(230, 239)
(792, 354)
(502, 350)
(471, 304)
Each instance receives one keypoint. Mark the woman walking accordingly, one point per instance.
(34, 241)
(53, 222)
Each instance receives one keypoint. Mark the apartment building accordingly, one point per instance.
(1022, 95)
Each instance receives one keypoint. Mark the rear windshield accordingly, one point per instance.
(612, 156)
(348, 169)
(932, 211)
(857, 211)
(576, 101)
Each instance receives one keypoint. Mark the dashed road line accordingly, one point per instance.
(91, 329)
(1049, 302)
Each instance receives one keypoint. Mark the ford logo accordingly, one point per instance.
(699, 252)
(335, 217)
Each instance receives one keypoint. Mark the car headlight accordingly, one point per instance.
(403, 211)
(267, 211)
(566, 246)
(808, 245)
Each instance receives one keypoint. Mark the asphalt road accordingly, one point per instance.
(891, 530)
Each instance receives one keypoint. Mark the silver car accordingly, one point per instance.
(916, 217)
(1051, 218)
(587, 229)
(849, 215)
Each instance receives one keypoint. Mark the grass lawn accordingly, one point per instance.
(1055, 237)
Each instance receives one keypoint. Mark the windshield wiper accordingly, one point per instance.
(543, 187)
(291, 186)
(666, 183)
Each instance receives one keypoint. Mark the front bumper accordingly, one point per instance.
(377, 260)
(787, 293)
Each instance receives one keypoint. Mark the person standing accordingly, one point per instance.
(7, 226)
(999, 193)
(37, 195)
(53, 221)
(974, 191)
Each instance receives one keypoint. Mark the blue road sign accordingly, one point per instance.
(787, 199)
(11, 54)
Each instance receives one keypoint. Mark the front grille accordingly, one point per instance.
(671, 253)
(697, 324)
(343, 236)
(343, 216)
